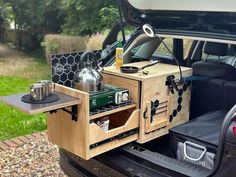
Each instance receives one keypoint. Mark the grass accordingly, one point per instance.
(15, 123)
(38, 70)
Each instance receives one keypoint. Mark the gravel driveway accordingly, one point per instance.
(37, 158)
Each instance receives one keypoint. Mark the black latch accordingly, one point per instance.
(145, 114)
(172, 85)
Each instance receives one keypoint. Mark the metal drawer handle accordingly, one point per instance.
(196, 146)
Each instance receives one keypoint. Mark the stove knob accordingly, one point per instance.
(118, 98)
(125, 97)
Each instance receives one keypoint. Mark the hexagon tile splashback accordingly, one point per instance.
(64, 67)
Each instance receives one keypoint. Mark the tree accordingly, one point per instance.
(4, 14)
(73, 17)
(88, 17)
(108, 15)
(37, 17)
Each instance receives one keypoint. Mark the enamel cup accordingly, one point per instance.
(37, 92)
(49, 86)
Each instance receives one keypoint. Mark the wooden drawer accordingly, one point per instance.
(124, 131)
(129, 121)
(88, 140)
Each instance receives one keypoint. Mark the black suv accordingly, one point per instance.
(201, 35)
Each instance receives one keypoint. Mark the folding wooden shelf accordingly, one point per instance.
(64, 101)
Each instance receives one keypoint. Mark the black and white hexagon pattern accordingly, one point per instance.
(64, 67)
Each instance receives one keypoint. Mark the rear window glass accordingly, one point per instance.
(187, 46)
(162, 50)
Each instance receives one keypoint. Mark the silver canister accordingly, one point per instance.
(37, 92)
(50, 86)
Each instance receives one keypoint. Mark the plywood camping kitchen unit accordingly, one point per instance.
(152, 112)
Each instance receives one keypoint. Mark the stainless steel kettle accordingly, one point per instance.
(88, 79)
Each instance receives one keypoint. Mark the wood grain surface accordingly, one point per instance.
(155, 89)
(66, 133)
(112, 111)
(155, 71)
(96, 134)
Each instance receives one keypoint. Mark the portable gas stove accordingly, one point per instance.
(109, 96)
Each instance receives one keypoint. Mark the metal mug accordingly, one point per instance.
(37, 92)
(50, 86)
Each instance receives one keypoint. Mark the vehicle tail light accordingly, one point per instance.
(234, 130)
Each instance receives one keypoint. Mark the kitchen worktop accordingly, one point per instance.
(159, 69)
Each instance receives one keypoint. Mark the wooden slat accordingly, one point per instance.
(112, 111)
(155, 71)
(112, 145)
(157, 124)
(15, 101)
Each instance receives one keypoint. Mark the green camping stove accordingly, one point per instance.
(110, 95)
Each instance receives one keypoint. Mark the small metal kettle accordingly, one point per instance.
(88, 79)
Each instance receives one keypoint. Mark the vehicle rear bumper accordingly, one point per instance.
(115, 163)
(75, 166)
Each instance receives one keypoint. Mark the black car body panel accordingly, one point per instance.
(220, 25)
